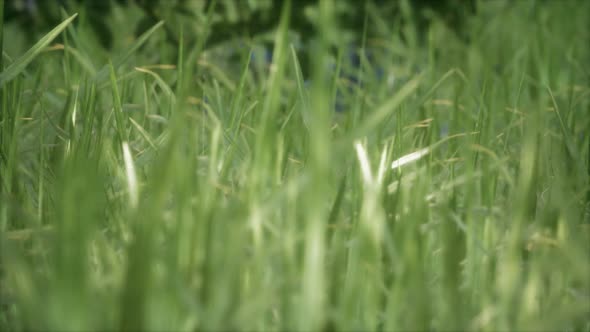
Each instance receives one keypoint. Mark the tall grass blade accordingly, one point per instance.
(121, 59)
(21, 63)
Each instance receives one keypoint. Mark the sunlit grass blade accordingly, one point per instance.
(410, 158)
(132, 185)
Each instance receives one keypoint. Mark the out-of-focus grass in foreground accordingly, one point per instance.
(142, 194)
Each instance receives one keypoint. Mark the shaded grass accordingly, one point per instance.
(190, 197)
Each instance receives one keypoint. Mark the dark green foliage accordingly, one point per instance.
(35, 16)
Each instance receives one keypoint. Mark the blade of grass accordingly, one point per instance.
(120, 60)
(158, 79)
(387, 108)
(21, 63)
(118, 108)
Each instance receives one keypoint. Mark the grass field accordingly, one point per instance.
(175, 188)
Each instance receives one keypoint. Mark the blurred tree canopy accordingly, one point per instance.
(231, 18)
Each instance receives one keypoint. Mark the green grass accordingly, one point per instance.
(155, 188)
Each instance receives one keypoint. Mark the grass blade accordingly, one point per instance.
(388, 107)
(21, 63)
(117, 62)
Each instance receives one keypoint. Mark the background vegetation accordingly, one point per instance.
(276, 165)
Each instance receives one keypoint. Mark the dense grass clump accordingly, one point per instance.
(438, 181)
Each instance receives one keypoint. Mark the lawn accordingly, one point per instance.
(420, 178)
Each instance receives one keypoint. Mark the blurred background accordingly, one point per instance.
(227, 20)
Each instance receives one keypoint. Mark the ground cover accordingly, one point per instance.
(436, 181)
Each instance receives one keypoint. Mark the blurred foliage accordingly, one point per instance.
(230, 18)
(38, 16)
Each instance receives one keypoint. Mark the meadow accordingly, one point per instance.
(418, 180)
